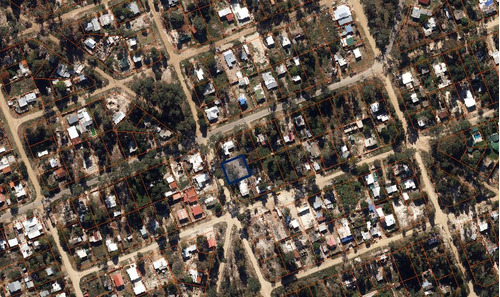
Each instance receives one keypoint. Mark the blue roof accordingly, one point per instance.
(348, 28)
(489, 2)
(347, 239)
(242, 100)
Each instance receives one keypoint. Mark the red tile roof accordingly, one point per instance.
(211, 243)
(118, 279)
(190, 196)
(230, 17)
(197, 210)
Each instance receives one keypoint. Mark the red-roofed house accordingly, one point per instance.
(230, 17)
(190, 196)
(211, 243)
(60, 173)
(197, 210)
(118, 280)
(331, 243)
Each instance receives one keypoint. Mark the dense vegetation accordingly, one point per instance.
(382, 16)
(168, 102)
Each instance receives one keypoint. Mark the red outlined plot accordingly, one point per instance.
(31, 82)
(174, 270)
(477, 245)
(376, 274)
(323, 225)
(422, 26)
(479, 147)
(135, 208)
(270, 68)
(312, 136)
(94, 138)
(448, 85)
(123, 44)
(29, 261)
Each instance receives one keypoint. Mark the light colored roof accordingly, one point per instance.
(139, 288)
(243, 188)
(223, 12)
(389, 220)
(242, 13)
(407, 77)
(73, 133)
(212, 113)
(269, 40)
(132, 273)
(269, 80)
(357, 53)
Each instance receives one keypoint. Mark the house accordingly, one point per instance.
(134, 7)
(160, 264)
(133, 274)
(439, 69)
(370, 142)
(407, 79)
(106, 19)
(409, 184)
(189, 251)
(483, 225)
(340, 60)
(487, 6)
(201, 179)
(269, 80)
(243, 186)
(60, 173)
(118, 280)
(23, 66)
(389, 220)
(391, 189)
(32, 228)
(281, 69)
(212, 113)
(285, 41)
(73, 132)
(227, 147)
(224, 12)
(196, 161)
(424, 2)
(90, 43)
(270, 41)
(242, 13)
(357, 53)
(81, 253)
(208, 89)
(14, 287)
(199, 74)
(197, 211)
(118, 117)
(139, 288)
(93, 25)
(469, 101)
(111, 245)
(195, 276)
(182, 215)
(229, 57)
(342, 14)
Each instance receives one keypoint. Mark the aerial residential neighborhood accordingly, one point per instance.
(249, 148)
